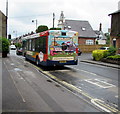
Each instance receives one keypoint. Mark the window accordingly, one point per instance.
(29, 45)
(33, 44)
(40, 44)
(89, 42)
(63, 33)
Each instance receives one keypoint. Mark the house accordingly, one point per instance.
(86, 34)
(115, 30)
(101, 38)
(3, 25)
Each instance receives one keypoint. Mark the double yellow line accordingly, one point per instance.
(97, 102)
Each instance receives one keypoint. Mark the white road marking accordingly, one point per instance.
(100, 66)
(12, 64)
(94, 102)
(82, 70)
(116, 96)
(17, 69)
(15, 84)
(100, 83)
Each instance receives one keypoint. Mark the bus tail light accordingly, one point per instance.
(76, 50)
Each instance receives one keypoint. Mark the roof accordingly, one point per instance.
(82, 27)
(100, 34)
(115, 12)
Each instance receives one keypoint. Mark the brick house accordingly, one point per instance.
(86, 36)
(115, 30)
(3, 25)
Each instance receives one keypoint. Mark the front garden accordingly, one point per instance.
(108, 56)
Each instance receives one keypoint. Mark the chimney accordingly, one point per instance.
(100, 28)
(119, 5)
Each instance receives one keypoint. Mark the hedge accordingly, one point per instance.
(5, 45)
(99, 54)
(115, 57)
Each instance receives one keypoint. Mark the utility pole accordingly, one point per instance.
(53, 19)
(6, 16)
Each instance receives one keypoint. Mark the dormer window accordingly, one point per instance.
(69, 27)
(83, 28)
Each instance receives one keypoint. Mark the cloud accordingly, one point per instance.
(21, 13)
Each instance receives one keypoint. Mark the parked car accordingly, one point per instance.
(19, 51)
(104, 48)
(13, 47)
(79, 52)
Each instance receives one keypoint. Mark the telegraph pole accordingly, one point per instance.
(53, 19)
(6, 16)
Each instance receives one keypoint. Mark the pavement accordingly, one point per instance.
(101, 63)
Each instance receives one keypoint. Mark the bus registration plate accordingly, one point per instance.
(62, 61)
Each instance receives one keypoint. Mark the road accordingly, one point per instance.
(81, 88)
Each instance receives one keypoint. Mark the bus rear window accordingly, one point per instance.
(63, 33)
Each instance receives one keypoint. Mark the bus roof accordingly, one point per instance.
(51, 32)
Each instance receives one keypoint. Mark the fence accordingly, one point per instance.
(90, 48)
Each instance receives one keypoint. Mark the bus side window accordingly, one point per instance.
(33, 45)
(37, 44)
(44, 45)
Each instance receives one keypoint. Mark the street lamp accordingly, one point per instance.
(35, 22)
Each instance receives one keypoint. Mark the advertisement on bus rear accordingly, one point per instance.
(62, 46)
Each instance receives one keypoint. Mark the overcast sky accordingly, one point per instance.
(22, 12)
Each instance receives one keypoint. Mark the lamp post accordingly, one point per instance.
(35, 22)
(6, 18)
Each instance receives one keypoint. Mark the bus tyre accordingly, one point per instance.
(26, 59)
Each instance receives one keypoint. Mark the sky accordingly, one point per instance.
(22, 12)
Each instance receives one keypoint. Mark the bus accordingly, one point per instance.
(52, 47)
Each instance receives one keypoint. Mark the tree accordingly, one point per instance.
(18, 45)
(55, 28)
(108, 38)
(41, 28)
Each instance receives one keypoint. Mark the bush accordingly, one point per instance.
(18, 45)
(5, 45)
(117, 57)
(99, 54)
(55, 28)
(41, 28)
(112, 51)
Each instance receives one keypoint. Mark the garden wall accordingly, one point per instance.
(90, 48)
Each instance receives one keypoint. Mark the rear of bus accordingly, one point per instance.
(62, 48)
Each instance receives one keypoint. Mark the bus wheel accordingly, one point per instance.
(37, 61)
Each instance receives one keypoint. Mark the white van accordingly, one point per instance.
(12, 47)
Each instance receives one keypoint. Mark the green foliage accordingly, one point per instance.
(55, 28)
(4, 45)
(41, 28)
(108, 38)
(18, 45)
(114, 57)
(112, 50)
(99, 54)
